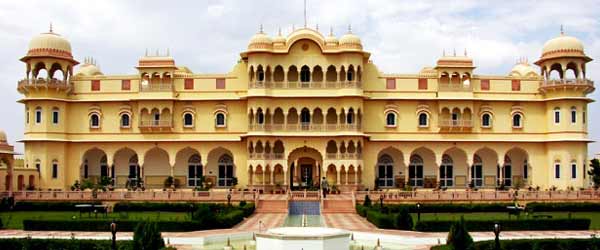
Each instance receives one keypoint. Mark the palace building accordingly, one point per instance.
(299, 107)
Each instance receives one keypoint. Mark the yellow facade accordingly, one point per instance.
(304, 106)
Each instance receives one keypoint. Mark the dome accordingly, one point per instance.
(523, 69)
(88, 69)
(3, 138)
(260, 41)
(49, 44)
(331, 40)
(350, 41)
(562, 43)
(279, 39)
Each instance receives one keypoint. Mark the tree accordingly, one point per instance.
(147, 237)
(458, 237)
(594, 172)
(404, 220)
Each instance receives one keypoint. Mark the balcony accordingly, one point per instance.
(455, 87)
(266, 156)
(343, 156)
(305, 85)
(455, 124)
(156, 125)
(156, 87)
(583, 84)
(42, 83)
(303, 127)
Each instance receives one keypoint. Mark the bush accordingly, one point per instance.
(1, 225)
(404, 220)
(458, 237)
(242, 203)
(104, 225)
(380, 220)
(147, 237)
(48, 206)
(563, 207)
(536, 244)
(367, 202)
(451, 208)
(154, 206)
(60, 244)
(507, 225)
(361, 210)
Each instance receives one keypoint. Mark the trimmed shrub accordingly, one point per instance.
(536, 244)
(458, 237)
(361, 210)
(49, 206)
(564, 207)
(404, 220)
(147, 236)
(154, 206)
(60, 244)
(104, 225)
(367, 202)
(507, 225)
(450, 208)
(380, 220)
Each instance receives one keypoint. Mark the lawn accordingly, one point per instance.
(14, 220)
(593, 216)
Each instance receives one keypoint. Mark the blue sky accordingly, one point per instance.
(207, 36)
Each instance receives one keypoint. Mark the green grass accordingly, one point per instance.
(14, 220)
(593, 216)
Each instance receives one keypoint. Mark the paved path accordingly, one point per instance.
(351, 222)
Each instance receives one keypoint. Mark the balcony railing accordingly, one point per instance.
(567, 82)
(455, 87)
(44, 83)
(265, 156)
(156, 87)
(304, 127)
(305, 85)
(156, 124)
(344, 156)
(444, 123)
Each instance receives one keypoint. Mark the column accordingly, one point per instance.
(285, 121)
(346, 179)
(271, 178)
(337, 172)
(285, 176)
(470, 162)
(356, 175)
(263, 176)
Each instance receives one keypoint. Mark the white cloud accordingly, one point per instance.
(207, 36)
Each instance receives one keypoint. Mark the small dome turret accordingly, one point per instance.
(89, 68)
(279, 39)
(331, 40)
(523, 69)
(49, 44)
(260, 41)
(350, 41)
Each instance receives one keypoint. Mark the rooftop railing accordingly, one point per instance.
(43, 83)
(304, 127)
(449, 123)
(567, 82)
(304, 85)
(156, 87)
(455, 87)
(156, 124)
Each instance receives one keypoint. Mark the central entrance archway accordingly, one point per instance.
(305, 166)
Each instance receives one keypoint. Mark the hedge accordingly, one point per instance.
(507, 225)
(564, 207)
(171, 207)
(60, 244)
(449, 207)
(537, 244)
(48, 206)
(381, 220)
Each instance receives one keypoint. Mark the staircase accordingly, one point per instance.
(272, 206)
(338, 206)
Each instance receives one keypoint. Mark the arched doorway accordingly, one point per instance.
(305, 168)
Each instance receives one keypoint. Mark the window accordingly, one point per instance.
(194, 171)
(94, 121)
(390, 83)
(350, 76)
(573, 115)
(423, 120)
(446, 172)
(422, 83)
(557, 170)
(486, 120)
(517, 121)
(220, 83)
(583, 117)
(477, 172)
(54, 169)
(220, 120)
(350, 116)
(38, 115)
(38, 165)
(27, 116)
(385, 167)
(415, 171)
(188, 120)
(126, 85)
(485, 84)
(305, 74)
(574, 170)
(125, 121)
(95, 85)
(390, 119)
(556, 115)
(525, 170)
(225, 178)
(85, 169)
(261, 75)
(55, 116)
(188, 84)
(516, 85)
(260, 117)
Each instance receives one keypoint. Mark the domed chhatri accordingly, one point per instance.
(279, 39)
(89, 68)
(350, 40)
(260, 41)
(49, 44)
(331, 40)
(523, 69)
(3, 138)
(563, 46)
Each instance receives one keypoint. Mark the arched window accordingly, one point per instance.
(85, 169)
(390, 119)
(446, 171)
(350, 116)
(573, 114)
(517, 121)
(385, 170)
(486, 120)
(55, 115)
(194, 171)
(477, 172)
(261, 74)
(423, 120)
(573, 170)
(94, 120)
(305, 74)
(38, 115)
(134, 171)
(188, 120)
(350, 75)
(125, 123)
(225, 171)
(220, 120)
(556, 115)
(305, 116)
(260, 116)
(27, 116)
(557, 170)
(415, 171)
(583, 116)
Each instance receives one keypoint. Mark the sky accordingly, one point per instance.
(207, 36)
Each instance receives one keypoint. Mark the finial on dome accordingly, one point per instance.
(444, 52)
(562, 30)
(279, 32)
(260, 30)
(51, 27)
(146, 52)
(168, 52)
(465, 51)
(317, 27)
(454, 54)
(330, 31)
(349, 28)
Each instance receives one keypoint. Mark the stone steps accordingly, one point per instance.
(338, 206)
(272, 206)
